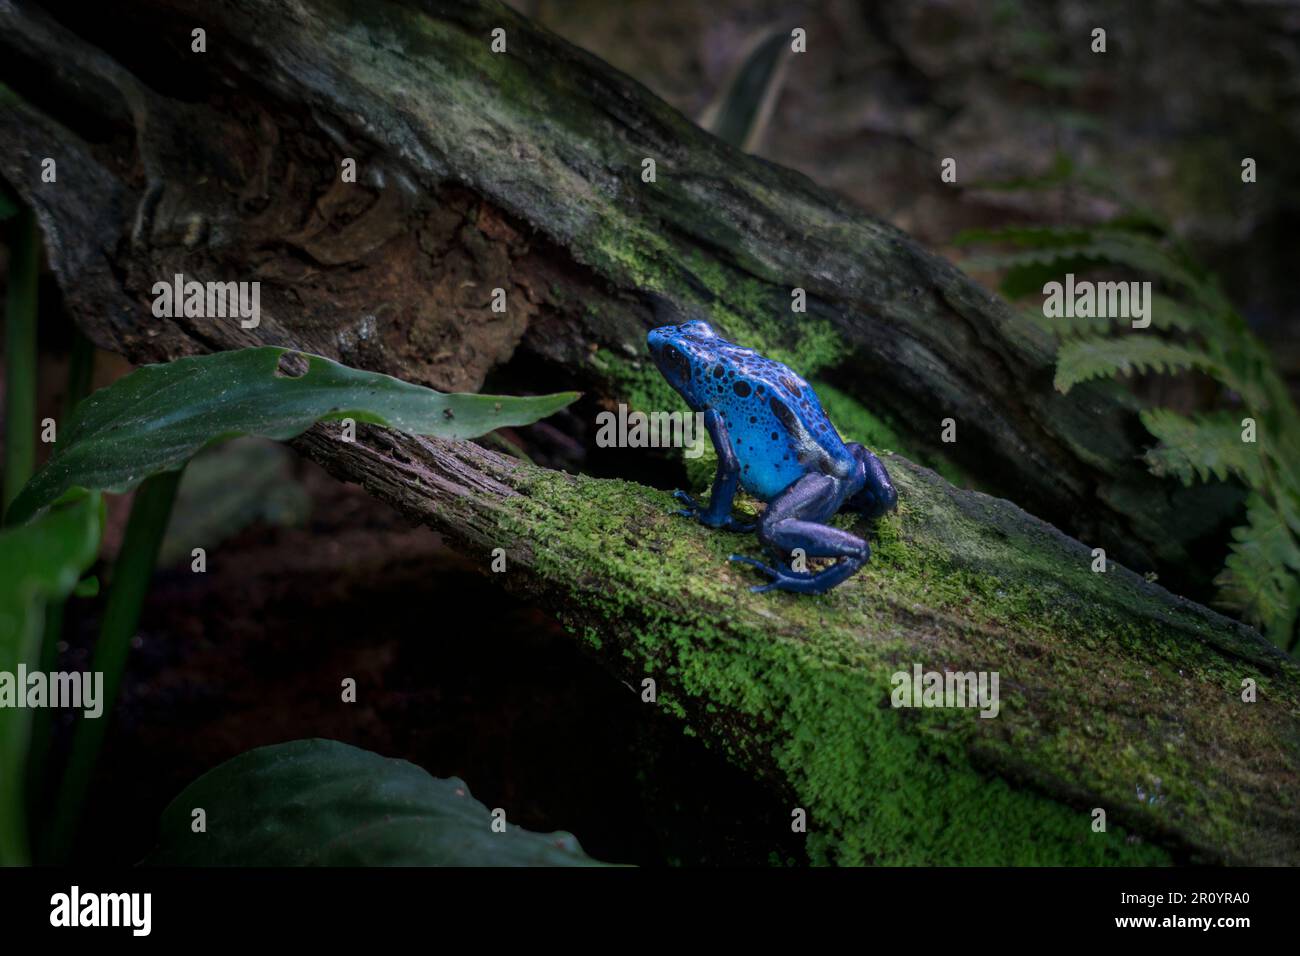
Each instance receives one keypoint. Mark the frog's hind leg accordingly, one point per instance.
(877, 494)
(795, 519)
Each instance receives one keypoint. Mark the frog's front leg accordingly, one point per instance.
(795, 519)
(725, 481)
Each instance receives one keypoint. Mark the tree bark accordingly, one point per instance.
(522, 171)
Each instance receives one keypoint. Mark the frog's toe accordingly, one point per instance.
(683, 496)
(783, 578)
(743, 559)
(776, 574)
(788, 581)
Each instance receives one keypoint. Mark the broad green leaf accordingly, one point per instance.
(740, 115)
(1083, 359)
(159, 416)
(1201, 447)
(324, 803)
(43, 561)
(40, 562)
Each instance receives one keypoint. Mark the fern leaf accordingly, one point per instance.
(1029, 237)
(1201, 447)
(1261, 577)
(1083, 359)
(1118, 248)
(1061, 171)
(1166, 315)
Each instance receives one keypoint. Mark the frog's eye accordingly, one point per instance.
(676, 361)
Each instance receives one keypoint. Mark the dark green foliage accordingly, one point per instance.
(40, 563)
(739, 117)
(159, 416)
(141, 431)
(1193, 327)
(20, 355)
(324, 803)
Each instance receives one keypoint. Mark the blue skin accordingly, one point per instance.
(773, 440)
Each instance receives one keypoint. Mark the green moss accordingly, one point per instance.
(627, 250)
(799, 687)
(749, 310)
(637, 382)
(791, 691)
(757, 314)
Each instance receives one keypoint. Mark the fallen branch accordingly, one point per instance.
(1114, 693)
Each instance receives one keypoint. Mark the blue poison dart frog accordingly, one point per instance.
(773, 440)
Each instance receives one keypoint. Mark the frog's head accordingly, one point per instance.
(682, 352)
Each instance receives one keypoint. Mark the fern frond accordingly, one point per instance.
(1029, 237)
(1167, 314)
(1290, 508)
(1201, 447)
(1261, 577)
(1061, 171)
(1117, 248)
(1083, 359)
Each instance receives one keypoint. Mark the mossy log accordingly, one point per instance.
(522, 171)
(1115, 694)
